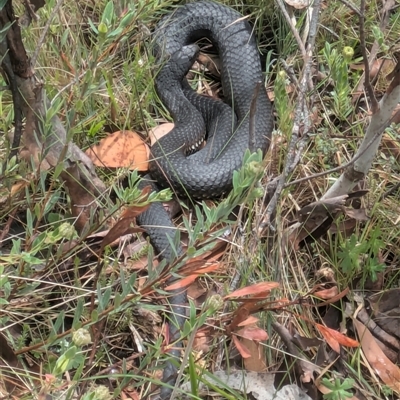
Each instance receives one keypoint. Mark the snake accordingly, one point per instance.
(198, 157)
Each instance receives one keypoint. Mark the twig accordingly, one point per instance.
(252, 118)
(289, 70)
(390, 191)
(336, 169)
(302, 123)
(16, 97)
(351, 6)
(367, 80)
(44, 32)
(293, 28)
(375, 47)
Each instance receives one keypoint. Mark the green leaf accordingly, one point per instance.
(108, 14)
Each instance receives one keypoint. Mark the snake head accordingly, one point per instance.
(181, 61)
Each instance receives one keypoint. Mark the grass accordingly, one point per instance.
(103, 82)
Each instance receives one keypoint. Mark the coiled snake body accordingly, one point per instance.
(208, 172)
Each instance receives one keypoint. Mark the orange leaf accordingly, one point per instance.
(121, 149)
(249, 321)
(387, 371)
(253, 289)
(335, 338)
(253, 333)
(243, 350)
(241, 314)
(199, 267)
(159, 131)
(327, 293)
(126, 223)
(182, 283)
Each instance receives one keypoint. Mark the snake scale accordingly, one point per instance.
(198, 157)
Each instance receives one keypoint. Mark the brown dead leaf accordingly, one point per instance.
(358, 214)
(252, 333)
(202, 341)
(159, 131)
(346, 228)
(335, 338)
(196, 290)
(336, 297)
(121, 149)
(327, 293)
(125, 225)
(385, 308)
(184, 282)
(249, 321)
(243, 350)
(256, 361)
(319, 210)
(240, 315)
(387, 371)
(391, 147)
(255, 289)
(381, 64)
(83, 201)
(305, 343)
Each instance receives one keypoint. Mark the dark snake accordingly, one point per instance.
(223, 126)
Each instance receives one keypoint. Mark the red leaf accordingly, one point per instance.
(335, 338)
(241, 314)
(243, 350)
(253, 333)
(253, 289)
(182, 283)
(249, 321)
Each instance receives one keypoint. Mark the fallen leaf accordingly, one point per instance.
(126, 224)
(335, 338)
(383, 64)
(386, 310)
(243, 350)
(83, 201)
(182, 283)
(305, 343)
(387, 371)
(240, 315)
(327, 293)
(253, 289)
(252, 333)
(121, 149)
(196, 290)
(358, 214)
(159, 131)
(259, 384)
(249, 321)
(256, 362)
(202, 342)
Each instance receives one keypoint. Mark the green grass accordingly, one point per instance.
(104, 82)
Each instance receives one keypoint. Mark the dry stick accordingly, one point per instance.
(375, 47)
(301, 365)
(367, 80)
(301, 122)
(351, 6)
(7, 16)
(293, 28)
(44, 32)
(336, 169)
(252, 119)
